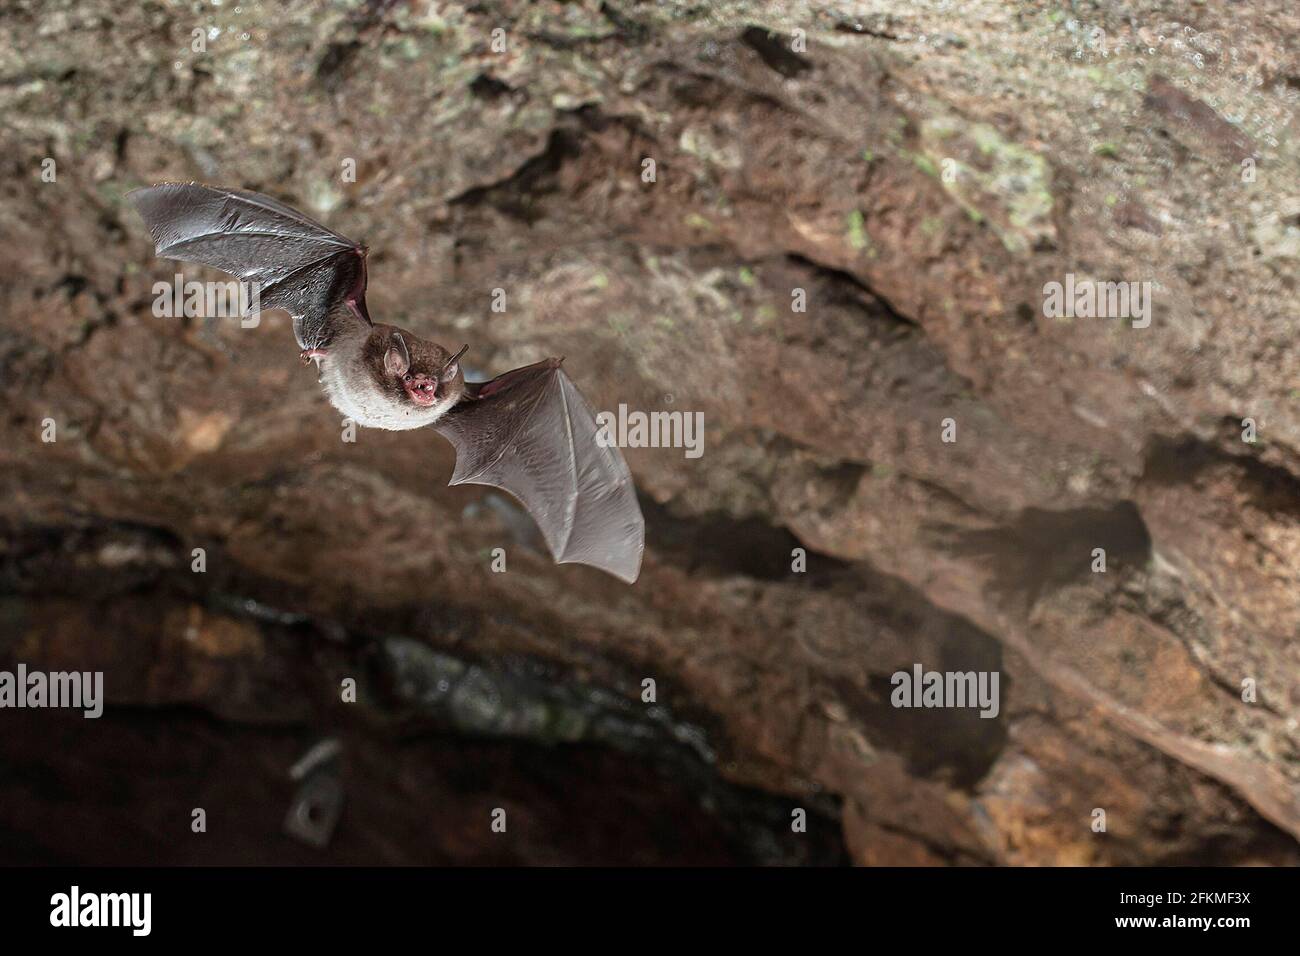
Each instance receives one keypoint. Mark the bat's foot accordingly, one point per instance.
(308, 354)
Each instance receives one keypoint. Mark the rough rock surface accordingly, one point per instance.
(921, 171)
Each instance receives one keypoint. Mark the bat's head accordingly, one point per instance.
(417, 372)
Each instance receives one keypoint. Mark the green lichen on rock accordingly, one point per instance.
(995, 180)
(857, 231)
(1276, 235)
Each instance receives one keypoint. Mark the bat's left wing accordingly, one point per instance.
(531, 433)
(294, 262)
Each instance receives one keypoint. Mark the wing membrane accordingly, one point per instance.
(295, 263)
(533, 435)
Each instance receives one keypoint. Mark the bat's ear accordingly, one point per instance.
(397, 360)
(452, 367)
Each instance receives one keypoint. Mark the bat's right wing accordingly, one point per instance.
(295, 263)
(531, 433)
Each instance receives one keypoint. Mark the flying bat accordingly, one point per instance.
(528, 432)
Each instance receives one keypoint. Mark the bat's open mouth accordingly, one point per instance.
(421, 389)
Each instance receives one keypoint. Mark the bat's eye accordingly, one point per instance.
(407, 377)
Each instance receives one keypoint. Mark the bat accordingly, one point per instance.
(528, 432)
